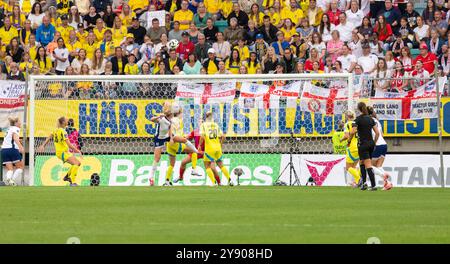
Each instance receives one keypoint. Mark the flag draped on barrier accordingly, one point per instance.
(416, 104)
(12, 94)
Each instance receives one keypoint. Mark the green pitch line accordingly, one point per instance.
(223, 215)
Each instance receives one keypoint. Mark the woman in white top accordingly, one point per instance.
(222, 47)
(74, 17)
(163, 43)
(318, 44)
(12, 151)
(98, 63)
(61, 57)
(389, 58)
(36, 15)
(381, 73)
(80, 60)
(325, 28)
(422, 30)
(354, 14)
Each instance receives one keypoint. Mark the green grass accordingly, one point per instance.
(223, 215)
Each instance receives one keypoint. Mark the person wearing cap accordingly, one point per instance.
(233, 33)
(185, 47)
(137, 30)
(184, 15)
(260, 47)
(65, 28)
(367, 61)
(81, 33)
(427, 58)
(129, 46)
(155, 31)
(201, 48)
(211, 64)
(241, 16)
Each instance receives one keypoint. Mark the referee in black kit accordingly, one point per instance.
(363, 125)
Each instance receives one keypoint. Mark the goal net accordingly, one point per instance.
(264, 118)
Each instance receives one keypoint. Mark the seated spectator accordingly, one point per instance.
(222, 69)
(333, 13)
(211, 64)
(255, 15)
(376, 46)
(439, 24)
(36, 15)
(15, 74)
(80, 60)
(98, 63)
(162, 70)
(381, 74)
(345, 28)
(137, 30)
(15, 50)
(222, 47)
(8, 32)
(233, 63)
(201, 16)
(185, 47)
(280, 44)
(411, 15)
(365, 29)
(288, 29)
(201, 49)
(354, 14)
(131, 68)
(305, 30)
(193, 33)
(82, 6)
(318, 44)
(391, 14)
(398, 83)
(253, 64)
(91, 19)
(175, 33)
(163, 45)
(422, 31)
(129, 46)
(192, 65)
(288, 60)
(427, 58)
(292, 12)
(314, 13)
(390, 61)
(61, 57)
(233, 33)
(347, 59)
(184, 15)
(250, 34)
(109, 16)
(127, 15)
(260, 47)
(213, 8)
(314, 57)
(138, 6)
(241, 16)
(428, 12)
(406, 32)
(244, 52)
(367, 61)
(270, 60)
(275, 14)
(421, 76)
(173, 60)
(334, 46)
(268, 30)
(156, 31)
(118, 62)
(325, 28)
(384, 32)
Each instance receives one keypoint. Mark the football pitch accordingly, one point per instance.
(240, 214)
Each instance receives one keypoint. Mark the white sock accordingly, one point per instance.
(348, 178)
(191, 146)
(378, 172)
(17, 176)
(154, 166)
(9, 174)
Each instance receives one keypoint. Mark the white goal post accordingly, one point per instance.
(126, 131)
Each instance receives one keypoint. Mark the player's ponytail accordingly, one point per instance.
(363, 108)
(13, 120)
(371, 112)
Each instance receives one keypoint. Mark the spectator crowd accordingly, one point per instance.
(121, 37)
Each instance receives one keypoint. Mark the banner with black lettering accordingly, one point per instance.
(12, 95)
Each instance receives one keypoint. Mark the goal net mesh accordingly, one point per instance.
(263, 117)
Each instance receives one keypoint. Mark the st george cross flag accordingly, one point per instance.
(189, 93)
(222, 92)
(321, 100)
(290, 92)
(252, 95)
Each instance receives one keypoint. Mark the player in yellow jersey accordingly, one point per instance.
(352, 156)
(213, 137)
(178, 143)
(62, 146)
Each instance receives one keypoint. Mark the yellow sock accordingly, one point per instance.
(210, 174)
(169, 173)
(73, 172)
(225, 172)
(355, 173)
(194, 160)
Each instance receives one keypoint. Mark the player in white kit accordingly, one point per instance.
(379, 154)
(12, 151)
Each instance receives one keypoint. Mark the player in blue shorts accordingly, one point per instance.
(12, 151)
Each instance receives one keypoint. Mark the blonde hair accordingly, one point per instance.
(350, 114)
(167, 108)
(13, 120)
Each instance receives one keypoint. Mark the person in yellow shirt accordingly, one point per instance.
(266, 4)
(212, 6)
(99, 29)
(26, 7)
(288, 29)
(127, 15)
(26, 65)
(138, 6)
(352, 156)
(63, 6)
(212, 136)
(17, 18)
(65, 28)
(62, 150)
(82, 34)
(256, 16)
(233, 63)
(244, 52)
(31, 47)
(119, 31)
(275, 16)
(304, 5)
(73, 45)
(108, 46)
(131, 68)
(253, 65)
(292, 12)
(184, 16)
(90, 45)
(8, 32)
(25, 33)
(226, 7)
(43, 61)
